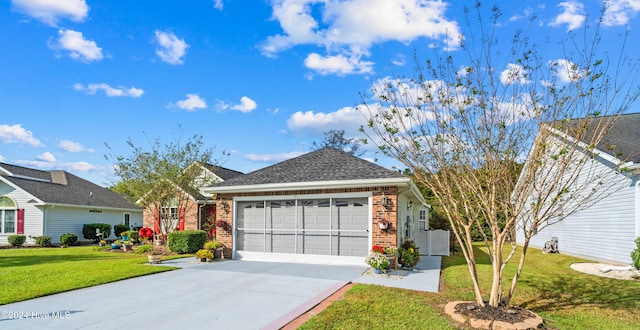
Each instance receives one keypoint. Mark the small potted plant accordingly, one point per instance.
(204, 255)
(378, 262)
(384, 224)
(102, 243)
(154, 255)
(126, 245)
(116, 244)
(216, 247)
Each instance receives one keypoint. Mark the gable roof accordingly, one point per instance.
(326, 167)
(621, 141)
(624, 136)
(222, 172)
(63, 188)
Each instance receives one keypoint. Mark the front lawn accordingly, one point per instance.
(34, 272)
(566, 299)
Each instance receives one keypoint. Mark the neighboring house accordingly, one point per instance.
(323, 206)
(38, 203)
(196, 209)
(607, 229)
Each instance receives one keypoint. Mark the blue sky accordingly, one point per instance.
(259, 79)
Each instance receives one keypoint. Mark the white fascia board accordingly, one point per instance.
(399, 182)
(16, 187)
(94, 207)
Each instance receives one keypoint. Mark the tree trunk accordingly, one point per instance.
(496, 265)
(512, 290)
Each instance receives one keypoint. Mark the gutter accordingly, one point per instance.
(93, 207)
(270, 187)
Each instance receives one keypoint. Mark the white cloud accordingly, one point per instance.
(71, 146)
(337, 64)
(273, 158)
(46, 157)
(77, 46)
(50, 12)
(67, 166)
(348, 29)
(619, 12)
(566, 71)
(399, 60)
(110, 91)
(1, 158)
(17, 134)
(514, 74)
(573, 15)
(217, 4)
(310, 123)
(171, 48)
(246, 105)
(191, 103)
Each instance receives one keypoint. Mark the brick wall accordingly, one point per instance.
(190, 217)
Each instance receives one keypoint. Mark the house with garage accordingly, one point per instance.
(326, 206)
(51, 203)
(193, 210)
(605, 230)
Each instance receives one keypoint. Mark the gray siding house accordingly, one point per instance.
(606, 230)
(36, 203)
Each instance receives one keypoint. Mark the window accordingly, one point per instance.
(127, 218)
(8, 211)
(170, 209)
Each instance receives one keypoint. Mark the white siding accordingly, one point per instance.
(605, 231)
(60, 220)
(32, 214)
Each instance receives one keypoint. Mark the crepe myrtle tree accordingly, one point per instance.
(469, 119)
(163, 177)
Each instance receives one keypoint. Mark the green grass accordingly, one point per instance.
(564, 298)
(34, 272)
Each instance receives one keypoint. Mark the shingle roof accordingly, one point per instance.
(625, 137)
(222, 172)
(622, 140)
(326, 164)
(77, 191)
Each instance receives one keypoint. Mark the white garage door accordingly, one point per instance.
(304, 228)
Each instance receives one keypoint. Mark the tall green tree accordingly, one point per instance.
(161, 177)
(469, 118)
(336, 139)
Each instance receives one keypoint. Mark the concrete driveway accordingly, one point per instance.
(229, 295)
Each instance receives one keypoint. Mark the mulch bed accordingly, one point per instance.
(510, 315)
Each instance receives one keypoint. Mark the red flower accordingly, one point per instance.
(377, 248)
(145, 232)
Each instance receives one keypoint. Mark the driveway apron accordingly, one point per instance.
(230, 295)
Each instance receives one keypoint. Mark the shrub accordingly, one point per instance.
(68, 239)
(635, 255)
(43, 240)
(186, 241)
(89, 231)
(16, 240)
(119, 229)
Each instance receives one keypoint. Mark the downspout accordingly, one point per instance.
(638, 208)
